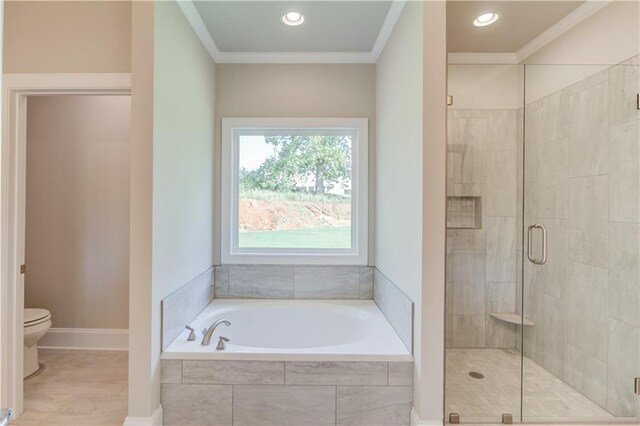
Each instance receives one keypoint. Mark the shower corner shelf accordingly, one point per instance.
(512, 319)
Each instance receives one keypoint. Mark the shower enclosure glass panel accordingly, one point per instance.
(543, 243)
(581, 272)
(483, 361)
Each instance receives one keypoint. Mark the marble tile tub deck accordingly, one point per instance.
(206, 392)
(546, 398)
(77, 388)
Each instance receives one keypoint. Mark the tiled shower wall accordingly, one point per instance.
(581, 182)
(481, 263)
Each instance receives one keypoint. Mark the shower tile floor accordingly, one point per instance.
(77, 388)
(546, 398)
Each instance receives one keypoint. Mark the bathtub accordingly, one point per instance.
(293, 330)
(289, 362)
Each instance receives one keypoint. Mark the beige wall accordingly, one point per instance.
(318, 90)
(486, 86)
(144, 390)
(429, 393)
(1, 40)
(172, 172)
(608, 37)
(399, 165)
(77, 220)
(67, 36)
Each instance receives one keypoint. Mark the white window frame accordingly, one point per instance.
(356, 255)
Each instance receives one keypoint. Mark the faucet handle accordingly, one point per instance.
(192, 333)
(221, 346)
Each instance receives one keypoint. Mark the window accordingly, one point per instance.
(294, 190)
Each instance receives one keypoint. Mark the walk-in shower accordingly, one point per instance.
(543, 244)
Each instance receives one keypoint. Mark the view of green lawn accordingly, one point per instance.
(325, 237)
(295, 192)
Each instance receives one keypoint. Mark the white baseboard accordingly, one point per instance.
(86, 338)
(416, 421)
(154, 420)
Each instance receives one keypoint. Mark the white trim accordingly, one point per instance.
(416, 421)
(578, 15)
(387, 27)
(357, 255)
(156, 419)
(482, 58)
(74, 83)
(15, 90)
(200, 28)
(6, 390)
(86, 338)
(296, 58)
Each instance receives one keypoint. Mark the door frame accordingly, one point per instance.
(16, 88)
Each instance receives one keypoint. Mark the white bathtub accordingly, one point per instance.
(294, 330)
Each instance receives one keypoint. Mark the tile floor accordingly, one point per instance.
(77, 388)
(90, 388)
(546, 398)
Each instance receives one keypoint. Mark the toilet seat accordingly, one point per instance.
(35, 316)
(36, 324)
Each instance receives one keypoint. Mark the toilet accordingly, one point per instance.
(36, 324)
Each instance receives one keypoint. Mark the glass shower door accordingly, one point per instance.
(484, 149)
(581, 243)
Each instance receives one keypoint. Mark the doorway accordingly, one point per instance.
(77, 258)
(60, 211)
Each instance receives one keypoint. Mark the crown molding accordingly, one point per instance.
(552, 33)
(296, 58)
(195, 20)
(482, 58)
(562, 26)
(387, 27)
(574, 18)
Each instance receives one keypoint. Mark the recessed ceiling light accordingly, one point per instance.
(293, 18)
(486, 19)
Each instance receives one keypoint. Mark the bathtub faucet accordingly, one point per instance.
(209, 332)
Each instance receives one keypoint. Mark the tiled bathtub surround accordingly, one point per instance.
(396, 306)
(293, 282)
(286, 393)
(582, 182)
(184, 304)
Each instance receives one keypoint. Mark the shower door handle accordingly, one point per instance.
(530, 229)
(544, 245)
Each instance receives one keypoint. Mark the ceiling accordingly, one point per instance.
(520, 22)
(330, 26)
